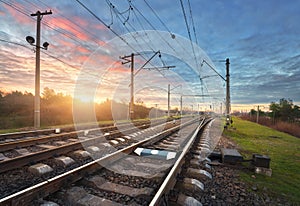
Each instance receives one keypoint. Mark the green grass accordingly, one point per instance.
(284, 151)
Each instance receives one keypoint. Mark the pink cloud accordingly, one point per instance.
(99, 27)
(64, 43)
(120, 69)
(17, 15)
(82, 58)
(82, 49)
(84, 23)
(67, 25)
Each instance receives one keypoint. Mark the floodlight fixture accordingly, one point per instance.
(45, 45)
(30, 40)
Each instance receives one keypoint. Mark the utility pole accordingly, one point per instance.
(130, 58)
(169, 93)
(168, 100)
(39, 16)
(257, 115)
(131, 103)
(227, 88)
(181, 106)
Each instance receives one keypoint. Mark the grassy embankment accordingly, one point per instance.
(284, 151)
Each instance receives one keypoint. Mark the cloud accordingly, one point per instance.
(18, 17)
(69, 27)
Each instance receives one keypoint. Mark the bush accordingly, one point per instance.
(290, 128)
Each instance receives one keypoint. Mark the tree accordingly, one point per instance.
(284, 110)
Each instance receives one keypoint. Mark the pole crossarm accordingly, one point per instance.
(127, 58)
(38, 13)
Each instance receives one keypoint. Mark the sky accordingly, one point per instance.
(261, 39)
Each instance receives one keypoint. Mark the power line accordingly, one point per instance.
(157, 17)
(27, 47)
(95, 38)
(193, 25)
(17, 8)
(16, 43)
(188, 30)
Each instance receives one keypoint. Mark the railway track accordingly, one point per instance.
(143, 172)
(19, 137)
(22, 151)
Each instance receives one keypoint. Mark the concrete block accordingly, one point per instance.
(60, 143)
(113, 142)
(231, 156)
(46, 146)
(121, 139)
(215, 156)
(187, 200)
(73, 140)
(81, 154)
(2, 157)
(198, 174)
(192, 185)
(93, 149)
(263, 171)
(127, 137)
(261, 161)
(194, 163)
(49, 203)
(22, 151)
(40, 169)
(64, 161)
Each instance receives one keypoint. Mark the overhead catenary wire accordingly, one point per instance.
(193, 24)
(188, 30)
(118, 14)
(165, 26)
(114, 32)
(159, 34)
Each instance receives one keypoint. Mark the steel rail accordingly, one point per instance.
(170, 180)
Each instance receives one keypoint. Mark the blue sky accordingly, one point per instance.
(261, 38)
